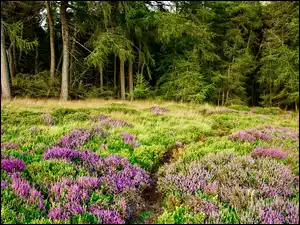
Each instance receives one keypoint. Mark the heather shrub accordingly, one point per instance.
(158, 110)
(11, 164)
(97, 130)
(48, 119)
(276, 212)
(275, 153)
(116, 174)
(130, 140)
(266, 133)
(74, 139)
(112, 122)
(237, 180)
(99, 117)
(9, 145)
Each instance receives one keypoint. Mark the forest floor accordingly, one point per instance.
(182, 134)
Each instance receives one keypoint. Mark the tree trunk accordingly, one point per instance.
(65, 40)
(142, 70)
(130, 78)
(52, 46)
(59, 62)
(122, 79)
(14, 59)
(72, 55)
(296, 106)
(227, 94)
(270, 94)
(10, 63)
(115, 71)
(223, 96)
(139, 63)
(20, 55)
(36, 59)
(5, 85)
(219, 98)
(101, 75)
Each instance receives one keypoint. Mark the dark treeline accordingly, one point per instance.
(219, 52)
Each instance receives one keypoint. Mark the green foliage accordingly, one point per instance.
(268, 110)
(48, 171)
(14, 34)
(96, 92)
(78, 116)
(141, 89)
(148, 157)
(240, 107)
(37, 86)
(279, 72)
(107, 43)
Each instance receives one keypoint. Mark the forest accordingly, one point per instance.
(219, 52)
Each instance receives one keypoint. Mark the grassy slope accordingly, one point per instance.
(201, 133)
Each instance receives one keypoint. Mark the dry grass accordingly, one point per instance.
(188, 108)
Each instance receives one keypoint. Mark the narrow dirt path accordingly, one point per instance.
(153, 198)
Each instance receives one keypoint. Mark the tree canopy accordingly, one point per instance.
(219, 52)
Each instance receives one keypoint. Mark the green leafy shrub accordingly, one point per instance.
(78, 116)
(268, 110)
(97, 92)
(19, 118)
(148, 157)
(45, 172)
(240, 107)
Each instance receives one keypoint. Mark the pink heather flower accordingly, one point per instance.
(9, 145)
(106, 216)
(179, 144)
(12, 165)
(158, 110)
(104, 146)
(57, 214)
(61, 153)
(115, 123)
(22, 188)
(129, 139)
(74, 139)
(4, 184)
(287, 116)
(275, 153)
(48, 119)
(100, 117)
(254, 110)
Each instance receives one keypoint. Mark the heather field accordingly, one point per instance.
(117, 162)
